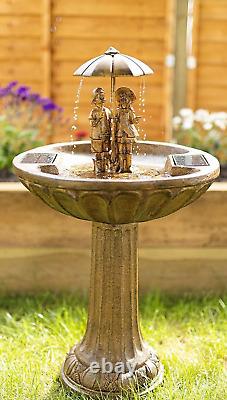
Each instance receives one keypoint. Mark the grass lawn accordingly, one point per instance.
(188, 333)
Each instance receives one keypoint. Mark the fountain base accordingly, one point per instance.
(112, 357)
(78, 379)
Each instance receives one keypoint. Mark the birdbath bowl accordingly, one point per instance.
(112, 356)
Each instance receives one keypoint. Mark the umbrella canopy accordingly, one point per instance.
(113, 63)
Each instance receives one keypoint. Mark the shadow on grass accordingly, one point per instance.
(26, 305)
(152, 306)
(49, 300)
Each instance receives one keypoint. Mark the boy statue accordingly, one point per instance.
(126, 132)
(100, 120)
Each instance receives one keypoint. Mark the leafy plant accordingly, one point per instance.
(14, 141)
(203, 130)
(27, 120)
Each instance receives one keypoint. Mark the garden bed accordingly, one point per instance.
(7, 176)
(41, 249)
(223, 174)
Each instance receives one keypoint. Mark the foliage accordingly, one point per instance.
(188, 333)
(14, 141)
(26, 120)
(202, 130)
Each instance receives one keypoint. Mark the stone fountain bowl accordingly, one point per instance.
(165, 178)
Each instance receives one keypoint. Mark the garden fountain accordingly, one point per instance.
(113, 191)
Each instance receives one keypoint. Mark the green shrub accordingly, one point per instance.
(14, 141)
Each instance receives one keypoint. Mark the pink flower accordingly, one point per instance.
(79, 135)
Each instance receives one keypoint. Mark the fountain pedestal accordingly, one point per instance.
(112, 355)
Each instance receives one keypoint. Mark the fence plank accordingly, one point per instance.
(24, 70)
(111, 28)
(114, 8)
(18, 49)
(215, 9)
(213, 97)
(212, 75)
(213, 31)
(20, 7)
(169, 71)
(46, 45)
(210, 42)
(213, 53)
(68, 49)
(20, 27)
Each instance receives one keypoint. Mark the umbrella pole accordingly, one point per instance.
(112, 101)
(112, 92)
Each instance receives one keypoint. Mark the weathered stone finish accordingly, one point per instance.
(118, 207)
(113, 331)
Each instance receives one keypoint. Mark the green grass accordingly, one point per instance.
(188, 333)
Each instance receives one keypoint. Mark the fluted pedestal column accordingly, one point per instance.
(112, 355)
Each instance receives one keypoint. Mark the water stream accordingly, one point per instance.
(142, 108)
(74, 126)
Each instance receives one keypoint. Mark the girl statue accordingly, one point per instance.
(126, 132)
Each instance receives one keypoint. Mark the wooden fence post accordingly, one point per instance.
(180, 73)
(169, 69)
(193, 72)
(46, 47)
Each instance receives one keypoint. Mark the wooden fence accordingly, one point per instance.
(43, 41)
(207, 84)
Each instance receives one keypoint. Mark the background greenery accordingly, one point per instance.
(14, 141)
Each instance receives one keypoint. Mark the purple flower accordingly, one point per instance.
(12, 84)
(4, 92)
(34, 97)
(49, 106)
(23, 92)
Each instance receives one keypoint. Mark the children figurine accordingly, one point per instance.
(100, 120)
(126, 132)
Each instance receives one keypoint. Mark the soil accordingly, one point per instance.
(223, 174)
(7, 176)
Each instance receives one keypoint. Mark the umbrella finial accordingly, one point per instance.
(111, 51)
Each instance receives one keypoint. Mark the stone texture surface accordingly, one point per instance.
(113, 334)
(117, 207)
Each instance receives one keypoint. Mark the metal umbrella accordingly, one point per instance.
(112, 63)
